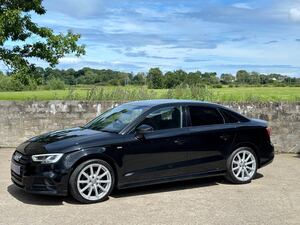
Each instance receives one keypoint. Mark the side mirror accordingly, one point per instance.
(143, 129)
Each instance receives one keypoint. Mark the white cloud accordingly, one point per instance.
(70, 60)
(241, 5)
(294, 14)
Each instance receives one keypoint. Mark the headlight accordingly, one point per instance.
(47, 158)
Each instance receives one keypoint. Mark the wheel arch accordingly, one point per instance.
(249, 145)
(97, 156)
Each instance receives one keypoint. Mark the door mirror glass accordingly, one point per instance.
(142, 130)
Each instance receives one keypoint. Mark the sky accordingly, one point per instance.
(211, 35)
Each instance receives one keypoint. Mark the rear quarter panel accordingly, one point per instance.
(253, 134)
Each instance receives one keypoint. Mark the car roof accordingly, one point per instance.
(158, 102)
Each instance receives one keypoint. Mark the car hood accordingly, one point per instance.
(64, 141)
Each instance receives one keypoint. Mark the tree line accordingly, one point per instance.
(171, 79)
(57, 79)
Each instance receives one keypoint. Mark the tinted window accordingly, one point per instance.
(204, 116)
(232, 117)
(165, 118)
(114, 120)
(229, 117)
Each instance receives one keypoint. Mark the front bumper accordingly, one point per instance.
(48, 179)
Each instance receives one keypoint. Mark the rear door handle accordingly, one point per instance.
(225, 137)
(179, 142)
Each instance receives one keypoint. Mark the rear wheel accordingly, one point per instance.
(92, 181)
(241, 165)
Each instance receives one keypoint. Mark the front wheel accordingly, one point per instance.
(92, 181)
(241, 165)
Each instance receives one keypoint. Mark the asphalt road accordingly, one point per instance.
(272, 198)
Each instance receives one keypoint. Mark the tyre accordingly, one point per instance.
(92, 181)
(241, 166)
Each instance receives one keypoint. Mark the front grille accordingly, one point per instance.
(20, 158)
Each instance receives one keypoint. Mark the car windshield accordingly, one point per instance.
(114, 120)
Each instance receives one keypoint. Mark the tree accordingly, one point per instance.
(242, 76)
(210, 77)
(17, 27)
(173, 79)
(139, 79)
(155, 78)
(254, 78)
(227, 78)
(169, 80)
(69, 76)
(193, 78)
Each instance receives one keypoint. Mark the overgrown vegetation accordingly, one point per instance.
(196, 92)
(102, 93)
(128, 93)
(55, 84)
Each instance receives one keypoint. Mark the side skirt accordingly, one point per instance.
(173, 179)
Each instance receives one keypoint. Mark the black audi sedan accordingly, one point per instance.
(141, 143)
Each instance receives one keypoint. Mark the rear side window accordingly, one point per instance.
(232, 117)
(229, 117)
(204, 116)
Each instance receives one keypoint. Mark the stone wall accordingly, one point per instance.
(22, 120)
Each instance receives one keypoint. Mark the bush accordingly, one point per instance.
(8, 83)
(32, 85)
(217, 86)
(279, 85)
(196, 92)
(18, 81)
(55, 84)
(114, 82)
(72, 95)
(117, 93)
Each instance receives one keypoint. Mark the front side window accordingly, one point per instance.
(204, 116)
(116, 119)
(164, 118)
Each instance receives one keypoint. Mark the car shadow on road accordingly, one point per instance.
(174, 186)
(45, 200)
(32, 199)
(167, 187)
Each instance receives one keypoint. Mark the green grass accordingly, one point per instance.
(225, 94)
(261, 94)
(40, 95)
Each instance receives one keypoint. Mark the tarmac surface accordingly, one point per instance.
(272, 198)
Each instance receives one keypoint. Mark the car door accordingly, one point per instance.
(161, 153)
(209, 139)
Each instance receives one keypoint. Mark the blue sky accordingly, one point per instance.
(211, 35)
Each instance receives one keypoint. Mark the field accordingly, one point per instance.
(225, 94)
(262, 94)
